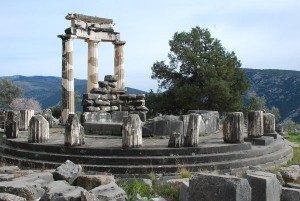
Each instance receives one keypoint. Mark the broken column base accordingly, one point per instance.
(273, 135)
(264, 140)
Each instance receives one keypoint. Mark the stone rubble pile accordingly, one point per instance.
(69, 182)
(109, 98)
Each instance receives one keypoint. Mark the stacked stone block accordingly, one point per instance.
(107, 98)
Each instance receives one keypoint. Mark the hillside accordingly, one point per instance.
(281, 88)
(47, 89)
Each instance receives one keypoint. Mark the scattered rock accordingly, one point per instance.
(10, 197)
(110, 191)
(61, 190)
(89, 182)
(87, 196)
(9, 169)
(67, 171)
(291, 174)
(290, 194)
(184, 191)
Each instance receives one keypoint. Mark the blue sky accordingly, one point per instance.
(263, 34)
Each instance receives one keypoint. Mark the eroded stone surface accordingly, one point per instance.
(38, 130)
(193, 131)
(291, 173)
(290, 194)
(255, 124)
(10, 197)
(110, 191)
(68, 171)
(74, 132)
(233, 128)
(132, 131)
(12, 124)
(89, 182)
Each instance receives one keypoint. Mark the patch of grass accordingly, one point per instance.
(185, 173)
(168, 191)
(294, 137)
(138, 186)
(296, 157)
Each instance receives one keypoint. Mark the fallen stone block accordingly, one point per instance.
(27, 190)
(89, 182)
(87, 196)
(205, 187)
(290, 194)
(10, 197)
(68, 171)
(264, 185)
(61, 190)
(109, 192)
(184, 191)
(41, 178)
(291, 173)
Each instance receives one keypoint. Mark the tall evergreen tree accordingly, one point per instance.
(201, 74)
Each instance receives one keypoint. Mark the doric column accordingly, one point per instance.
(119, 64)
(93, 69)
(67, 100)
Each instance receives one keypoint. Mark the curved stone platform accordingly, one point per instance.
(104, 154)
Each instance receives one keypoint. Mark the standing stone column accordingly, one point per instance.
(25, 116)
(93, 69)
(269, 123)
(67, 78)
(233, 128)
(38, 131)
(119, 64)
(74, 132)
(132, 131)
(12, 124)
(193, 131)
(255, 124)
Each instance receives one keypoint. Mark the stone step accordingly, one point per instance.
(281, 155)
(169, 159)
(143, 151)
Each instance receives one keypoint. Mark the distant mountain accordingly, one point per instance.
(281, 88)
(47, 89)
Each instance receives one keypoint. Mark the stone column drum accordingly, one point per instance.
(67, 78)
(193, 131)
(38, 130)
(255, 124)
(119, 64)
(132, 131)
(93, 69)
(269, 123)
(25, 116)
(233, 128)
(12, 119)
(74, 132)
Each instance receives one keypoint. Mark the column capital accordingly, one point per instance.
(119, 42)
(91, 41)
(66, 37)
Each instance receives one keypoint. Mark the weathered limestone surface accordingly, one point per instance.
(211, 119)
(264, 186)
(205, 187)
(25, 116)
(132, 131)
(38, 130)
(119, 64)
(110, 191)
(10, 197)
(74, 132)
(89, 182)
(233, 128)
(291, 173)
(67, 78)
(193, 131)
(269, 123)
(12, 124)
(87, 196)
(290, 194)
(184, 191)
(175, 140)
(255, 124)
(93, 69)
(67, 171)
(62, 190)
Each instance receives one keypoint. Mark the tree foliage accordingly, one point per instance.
(26, 104)
(8, 92)
(201, 74)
